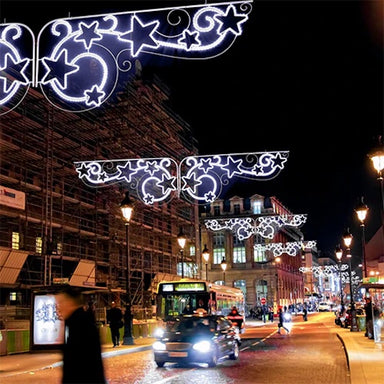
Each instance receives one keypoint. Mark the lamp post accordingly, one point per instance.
(347, 238)
(361, 212)
(206, 259)
(181, 239)
(223, 267)
(126, 207)
(339, 255)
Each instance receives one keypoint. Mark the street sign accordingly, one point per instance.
(263, 300)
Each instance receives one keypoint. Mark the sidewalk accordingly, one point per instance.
(365, 357)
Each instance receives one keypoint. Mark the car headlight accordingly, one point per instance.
(159, 346)
(202, 346)
(158, 333)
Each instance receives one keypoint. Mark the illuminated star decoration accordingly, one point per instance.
(196, 178)
(16, 64)
(82, 60)
(265, 226)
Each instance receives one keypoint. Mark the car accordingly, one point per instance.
(324, 306)
(205, 339)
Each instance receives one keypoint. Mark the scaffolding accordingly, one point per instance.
(65, 221)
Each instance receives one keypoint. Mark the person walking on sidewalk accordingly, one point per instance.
(368, 318)
(115, 321)
(82, 360)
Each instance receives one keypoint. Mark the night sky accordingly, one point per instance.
(305, 76)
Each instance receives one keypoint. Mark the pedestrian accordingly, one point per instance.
(115, 321)
(270, 309)
(368, 318)
(305, 313)
(82, 360)
(281, 321)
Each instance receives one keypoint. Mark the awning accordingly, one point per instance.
(11, 262)
(84, 275)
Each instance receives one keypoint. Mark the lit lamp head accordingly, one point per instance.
(223, 265)
(361, 211)
(181, 239)
(277, 259)
(205, 254)
(339, 253)
(126, 207)
(377, 157)
(347, 238)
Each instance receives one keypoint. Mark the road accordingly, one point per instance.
(310, 354)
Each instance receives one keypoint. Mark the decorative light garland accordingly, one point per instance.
(265, 226)
(81, 60)
(291, 248)
(333, 270)
(196, 178)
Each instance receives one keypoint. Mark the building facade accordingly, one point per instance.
(54, 229)
(263, 277)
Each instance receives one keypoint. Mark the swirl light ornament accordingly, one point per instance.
(265, 226)
(196, 178)
(290, 248)
(16, 64)
(82, 60)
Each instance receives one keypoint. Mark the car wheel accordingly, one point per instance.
(160, 364)
(235, 351)
(213, 361)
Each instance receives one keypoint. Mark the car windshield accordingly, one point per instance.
(193, 324)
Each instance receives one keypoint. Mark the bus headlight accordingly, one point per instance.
(202, 346)
(159, 346)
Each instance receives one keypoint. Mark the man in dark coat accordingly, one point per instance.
(82, 360)
(115, 321)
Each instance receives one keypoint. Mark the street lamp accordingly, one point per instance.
(361, 212)
(223, 267)
(206, 259)
(181, 239)
(126, 207)
(347, 238)
(377, 157)
(339, 255)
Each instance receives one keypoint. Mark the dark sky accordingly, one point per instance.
(305, 76)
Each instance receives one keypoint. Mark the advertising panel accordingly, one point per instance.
(47, 326)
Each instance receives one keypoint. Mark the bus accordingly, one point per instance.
(175, 298)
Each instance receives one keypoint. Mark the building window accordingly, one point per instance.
(239, 254)
(242, 285)
(39, 245)
(236, 209)
(192, 250)
(218, 247)
(256, 207)
(216, 210)
(238, 250)
(59, 248)
(261, 289)
(15, 240)
(259, 256)
(218, 254)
